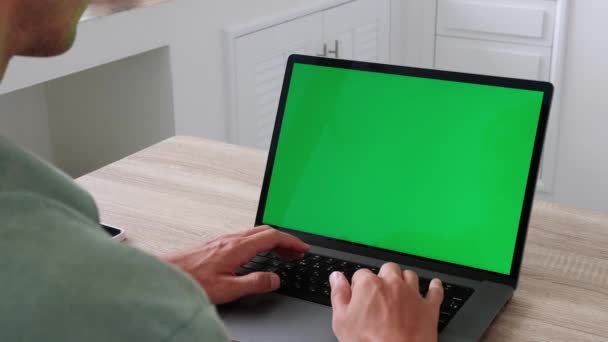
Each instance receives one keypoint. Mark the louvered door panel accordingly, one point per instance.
(366, 46)
(268, 77)
(260, 66)
(360, 29)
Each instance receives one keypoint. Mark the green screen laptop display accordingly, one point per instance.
(432, 168)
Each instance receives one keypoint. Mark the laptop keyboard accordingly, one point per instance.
(308, 279)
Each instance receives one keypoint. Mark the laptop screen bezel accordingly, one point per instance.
(399, 257)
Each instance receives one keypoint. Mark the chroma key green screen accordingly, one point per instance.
(427, 167)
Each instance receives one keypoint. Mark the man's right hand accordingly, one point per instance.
(387, 307)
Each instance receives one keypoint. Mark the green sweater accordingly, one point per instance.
(63, 279)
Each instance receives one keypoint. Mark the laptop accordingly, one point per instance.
(371, 163)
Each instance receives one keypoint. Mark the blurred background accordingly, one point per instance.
(144, 70)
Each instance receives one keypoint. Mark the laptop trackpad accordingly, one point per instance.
(274, 317)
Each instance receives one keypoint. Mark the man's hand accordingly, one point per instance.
(387, 307)
(213, 263)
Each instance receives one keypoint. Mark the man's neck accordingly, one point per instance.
(5, 43)
(3, 61)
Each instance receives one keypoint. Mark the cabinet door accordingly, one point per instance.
(515, 21)
(359, 30)
(493, 58)
(260, 60)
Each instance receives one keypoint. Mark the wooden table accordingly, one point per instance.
(185, 190)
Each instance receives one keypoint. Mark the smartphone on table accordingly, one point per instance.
(116, 233)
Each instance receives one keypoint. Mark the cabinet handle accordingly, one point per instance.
(337, 49)
(324, 54)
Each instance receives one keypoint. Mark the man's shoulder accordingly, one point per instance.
(65, 282)
(22, 171)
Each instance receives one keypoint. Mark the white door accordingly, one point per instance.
(359, 30)
(260, 60)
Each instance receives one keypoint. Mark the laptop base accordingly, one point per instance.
(275, 317)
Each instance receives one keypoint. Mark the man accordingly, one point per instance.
(62, 279)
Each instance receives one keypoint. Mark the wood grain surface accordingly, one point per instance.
(185, 190)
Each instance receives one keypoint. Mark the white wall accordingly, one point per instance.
(582, 162)
(84, 121)
(106, 113)
(24, 120)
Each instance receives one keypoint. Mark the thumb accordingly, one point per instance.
(257, 282)
(340, 290)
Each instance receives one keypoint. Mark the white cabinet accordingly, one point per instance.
(260, 66)
(355, 30)
(493, 58)
(516, 21)
(511, 38)
(359, 31)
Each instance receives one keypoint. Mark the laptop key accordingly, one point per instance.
(316, 258)
(455, 305)
(243, 271)
(253, 266)
(330, 261)
(344, 264)
(275, 263)
(315, 273)
(260, 259)
(271, 269)
(349, 273)
(423, 286)
(441, 325)
(326, 284)
(301, 271)
(274, 256)
(312, 289)
(463, 292)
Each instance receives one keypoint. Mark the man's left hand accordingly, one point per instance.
(213, 263)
